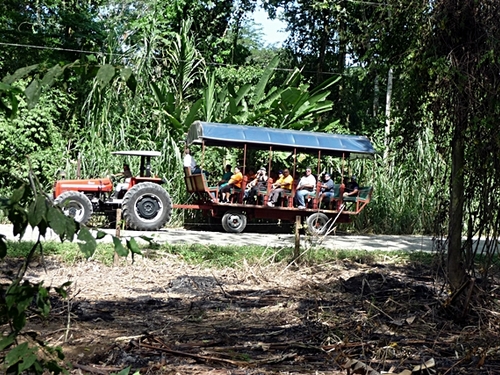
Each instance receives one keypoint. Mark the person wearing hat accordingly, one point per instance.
(327, 191)
(351, 187)
(282, 185)
(253, 187)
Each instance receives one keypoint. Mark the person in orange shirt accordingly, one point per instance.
(234, 182)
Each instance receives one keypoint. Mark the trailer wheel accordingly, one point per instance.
(76, 205)
(234, 221)
(317, 223)
(146, 206)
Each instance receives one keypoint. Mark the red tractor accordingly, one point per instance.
(145, 204)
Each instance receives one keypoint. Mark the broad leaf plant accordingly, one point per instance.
(29, 206)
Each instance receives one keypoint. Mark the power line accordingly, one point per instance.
(53, 48)
(123, 55)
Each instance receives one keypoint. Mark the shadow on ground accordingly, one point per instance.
(383, 317)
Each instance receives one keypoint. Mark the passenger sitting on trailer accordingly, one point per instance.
(282, 185)
(127, 175)
(351, 187)
(234, 182)
(190, 163)
(305, 186)
(226, 175)
(327, 191)
(251, 174)
(253, 187)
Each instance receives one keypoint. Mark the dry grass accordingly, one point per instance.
(164, 316)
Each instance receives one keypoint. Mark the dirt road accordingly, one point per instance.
(337, 242)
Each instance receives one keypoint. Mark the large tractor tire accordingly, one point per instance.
(146, 206)
(76, 205)
(234, 221)
(317, 223)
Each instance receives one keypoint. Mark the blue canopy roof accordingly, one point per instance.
(230, 135)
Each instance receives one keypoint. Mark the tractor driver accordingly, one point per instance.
(127, 175)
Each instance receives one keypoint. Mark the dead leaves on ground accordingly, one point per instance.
(353, 366)
(353, 319)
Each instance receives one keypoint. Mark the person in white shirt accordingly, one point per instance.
(306, 185)
(190, 162)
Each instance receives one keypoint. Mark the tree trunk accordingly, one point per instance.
(456, 271)
(388, 114)
(376, 93)
(322, 50)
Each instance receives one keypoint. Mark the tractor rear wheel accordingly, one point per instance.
(146, 206)
(76, 205)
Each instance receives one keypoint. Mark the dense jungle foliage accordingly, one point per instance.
(84, 78)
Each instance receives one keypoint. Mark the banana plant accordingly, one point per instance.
(227, 106)
(292, 106)
(188, 69)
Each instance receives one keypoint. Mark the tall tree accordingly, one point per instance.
(50, 31)
(469, 41)
(454, 77)
(345, 39)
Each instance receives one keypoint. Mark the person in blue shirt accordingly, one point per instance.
(327, 191)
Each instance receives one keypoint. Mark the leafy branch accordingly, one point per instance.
(42, 79)
(30, 206)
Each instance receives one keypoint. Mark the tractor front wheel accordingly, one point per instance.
(76, 205)
(146, 206)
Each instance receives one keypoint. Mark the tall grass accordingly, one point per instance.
(407, 191)
(149, 120)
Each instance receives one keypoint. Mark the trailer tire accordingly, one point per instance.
(76, 205)
(317, 223)
(146, 206)
(234, 221)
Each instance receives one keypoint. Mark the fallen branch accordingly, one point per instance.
(94, 370)
(195, 356)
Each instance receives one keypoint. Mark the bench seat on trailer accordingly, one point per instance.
(364, 194)
(357, 202)
(197, 183)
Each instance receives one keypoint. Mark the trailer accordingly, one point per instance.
(235, 214)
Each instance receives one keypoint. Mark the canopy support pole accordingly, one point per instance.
(244, 158)
(294, 162)
(343, 169)
(202, 155)
(270, 161)
(319, 162)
